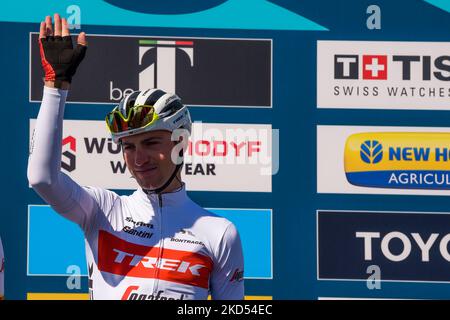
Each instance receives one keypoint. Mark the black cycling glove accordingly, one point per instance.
(59, 58)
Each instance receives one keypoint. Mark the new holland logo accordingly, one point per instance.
(371, 151)
(398, 160)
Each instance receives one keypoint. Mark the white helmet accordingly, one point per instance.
(164, 111)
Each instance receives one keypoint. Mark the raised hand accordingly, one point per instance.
(58, 56)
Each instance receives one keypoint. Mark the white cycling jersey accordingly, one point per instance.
(142, 246)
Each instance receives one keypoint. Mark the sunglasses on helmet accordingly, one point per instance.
(139, 116)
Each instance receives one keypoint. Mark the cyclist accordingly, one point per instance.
(156, 243)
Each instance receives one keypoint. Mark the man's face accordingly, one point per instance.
(148, 157)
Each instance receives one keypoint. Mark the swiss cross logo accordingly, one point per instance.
(124, 258)
(374, 67)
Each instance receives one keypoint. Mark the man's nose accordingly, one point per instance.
(141, 157)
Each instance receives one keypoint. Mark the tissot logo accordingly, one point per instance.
(373, 67)
(406, 246)
(391, 75)
(70, 165)
(204, 72)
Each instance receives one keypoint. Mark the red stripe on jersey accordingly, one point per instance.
(124, 258)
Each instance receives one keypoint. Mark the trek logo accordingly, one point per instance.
(133, 293)
(383, 75)
(120, 257)
(202, 71)
(70, 165)
(406, 246)
(411, 161)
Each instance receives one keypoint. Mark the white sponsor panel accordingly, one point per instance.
(331, 176)
(220, 157)
(383, 75)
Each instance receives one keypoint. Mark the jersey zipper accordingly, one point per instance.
(161, 246)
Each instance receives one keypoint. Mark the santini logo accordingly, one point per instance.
(398, 160)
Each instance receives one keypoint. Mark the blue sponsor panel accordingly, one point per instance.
(405, 246)
(254, 226)
(55, 243)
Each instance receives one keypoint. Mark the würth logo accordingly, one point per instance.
(70, 165)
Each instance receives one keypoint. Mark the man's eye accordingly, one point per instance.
(128, 147)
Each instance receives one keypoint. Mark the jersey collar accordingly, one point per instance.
(172, 199)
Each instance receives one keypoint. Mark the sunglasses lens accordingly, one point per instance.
(138, 117)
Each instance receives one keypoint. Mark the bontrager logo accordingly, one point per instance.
(411, 161)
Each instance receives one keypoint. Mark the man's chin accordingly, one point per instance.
(148, 186)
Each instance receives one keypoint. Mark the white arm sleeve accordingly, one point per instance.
(44, 164)
(227, 277)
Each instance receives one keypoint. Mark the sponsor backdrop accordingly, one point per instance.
(322, 131)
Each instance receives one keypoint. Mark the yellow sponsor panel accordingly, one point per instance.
(57, 296)
(85, 296)
(395, 151)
